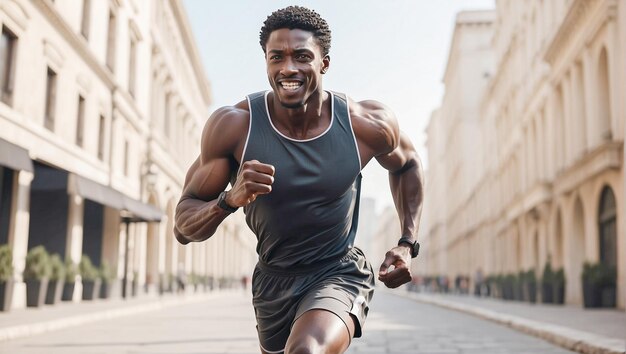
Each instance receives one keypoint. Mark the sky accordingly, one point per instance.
(392, 51)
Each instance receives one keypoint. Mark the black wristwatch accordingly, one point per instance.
(415, 246)
(221, 202)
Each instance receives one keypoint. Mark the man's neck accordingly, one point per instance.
(301, 122)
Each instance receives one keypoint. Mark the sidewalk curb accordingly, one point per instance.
(25, 330)
(575, 340)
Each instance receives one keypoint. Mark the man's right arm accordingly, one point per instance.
(197, 213)
(223, 139)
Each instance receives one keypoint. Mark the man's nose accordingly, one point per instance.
(289, 68)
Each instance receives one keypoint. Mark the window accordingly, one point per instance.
(80, 121)
(111, 42)
(101, 139)
(8, 44)
(131, 66)
(84, 25)
(126, 158)
(51, 93)
(607, 225)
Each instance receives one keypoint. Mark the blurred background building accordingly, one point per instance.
(102, 104)
(526, 152)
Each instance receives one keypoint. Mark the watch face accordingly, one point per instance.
(221, 202)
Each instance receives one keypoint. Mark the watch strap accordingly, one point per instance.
(221, 202)
(415, 246)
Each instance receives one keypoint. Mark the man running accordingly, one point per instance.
(293, 156)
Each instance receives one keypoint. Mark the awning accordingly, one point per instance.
(133, 210)
(14, 157)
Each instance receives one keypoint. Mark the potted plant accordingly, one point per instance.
(107, 280)
(57, 280)
(195, 281)
(6, 275)
(507, 286)
(558, 286)
(135, 283)
(518, 288)
(36, 273)
(70, 280)
(591, 290)
(90, 277)
(497, 286)
(530, 286)
(547, 279)
(172, 284)
(607, 281)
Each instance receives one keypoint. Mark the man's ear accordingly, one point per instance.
(325, 64)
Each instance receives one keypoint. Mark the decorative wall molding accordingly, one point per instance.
(578, 13)
(16, 13)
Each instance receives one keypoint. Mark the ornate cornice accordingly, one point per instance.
(579, 11)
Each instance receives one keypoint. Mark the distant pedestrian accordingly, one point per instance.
(181, 277)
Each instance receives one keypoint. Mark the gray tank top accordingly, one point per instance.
(311, 215)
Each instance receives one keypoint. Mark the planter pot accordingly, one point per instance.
(518, 293)
(68, 292)
(36, 292)
(6, 295)
(531, 288)
(559, 294)
(53, 293)
(106, 289)
(592, 295)
(607, 296)
(507, 292)
(91, 289)
(547, 293)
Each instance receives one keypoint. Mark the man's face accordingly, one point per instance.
(295, 65)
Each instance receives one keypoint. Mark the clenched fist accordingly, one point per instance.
(254, 178)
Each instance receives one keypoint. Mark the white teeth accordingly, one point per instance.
(290, 85)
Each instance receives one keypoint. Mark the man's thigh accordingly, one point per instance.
(321, 331)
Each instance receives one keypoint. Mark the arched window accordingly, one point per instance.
(607, 227)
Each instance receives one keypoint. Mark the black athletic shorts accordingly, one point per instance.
(280, 297)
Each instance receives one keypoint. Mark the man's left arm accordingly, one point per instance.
(407, 188)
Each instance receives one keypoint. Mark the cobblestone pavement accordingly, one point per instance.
(225, 324)
(397, 325)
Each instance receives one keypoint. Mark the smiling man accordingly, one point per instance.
(293, 156)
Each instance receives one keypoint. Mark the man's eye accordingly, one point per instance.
(275, 57)
(302, 57)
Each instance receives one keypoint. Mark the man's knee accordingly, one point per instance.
(317, 342)
(305, 345)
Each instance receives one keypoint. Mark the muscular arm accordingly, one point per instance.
(379, 136)
(197, 214)
(406, 182)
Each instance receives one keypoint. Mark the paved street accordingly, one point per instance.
(226, 325)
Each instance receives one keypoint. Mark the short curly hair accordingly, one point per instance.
(299, 17)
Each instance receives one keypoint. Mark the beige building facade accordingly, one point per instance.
(102, 103)
(526, 159)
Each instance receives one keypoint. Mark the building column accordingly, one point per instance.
(589, 82)
(18, 233)
(110, 243)
(74, 244)
(568, 119)
(620, 74)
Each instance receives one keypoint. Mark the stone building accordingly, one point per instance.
(526, 161)
(102, 103)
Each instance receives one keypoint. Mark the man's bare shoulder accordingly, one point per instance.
(375, 124)
(225, 129)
